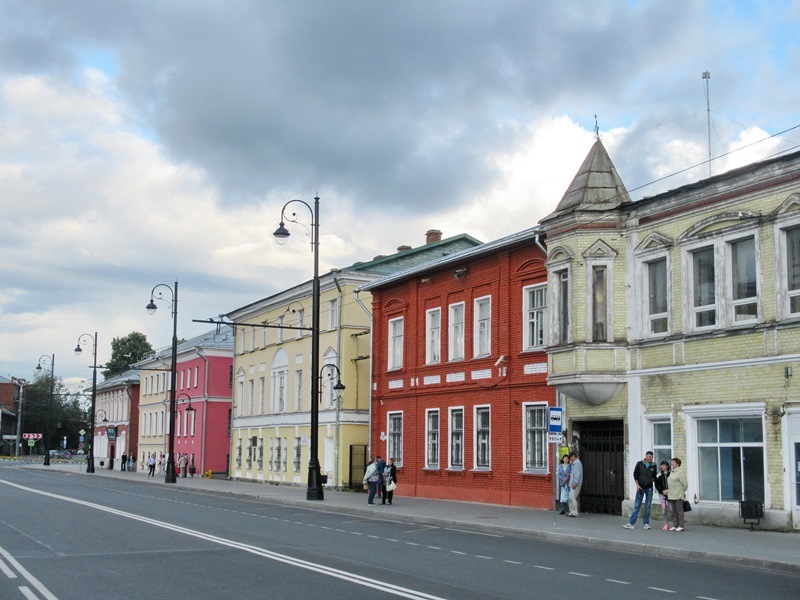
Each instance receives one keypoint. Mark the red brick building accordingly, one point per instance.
(459, 392)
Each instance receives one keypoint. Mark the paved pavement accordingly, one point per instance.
(714, 545)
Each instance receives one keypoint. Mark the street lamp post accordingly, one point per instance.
(52, 359)
(337, 387)
(314, 491)
(151, 308)
(78, 350)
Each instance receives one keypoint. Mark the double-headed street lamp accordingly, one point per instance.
(314, 491)
(52, 360)
(78, 350)
(151, 309)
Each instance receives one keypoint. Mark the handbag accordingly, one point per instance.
(687, 506)
(391, 486)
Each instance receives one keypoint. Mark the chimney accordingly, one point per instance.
(433, 235)
(403, 248)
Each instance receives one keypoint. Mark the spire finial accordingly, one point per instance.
(596, 129)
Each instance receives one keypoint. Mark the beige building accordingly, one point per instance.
(270, 426)
(675, 326)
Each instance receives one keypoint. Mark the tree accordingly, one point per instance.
(64, 417)
(126, 351)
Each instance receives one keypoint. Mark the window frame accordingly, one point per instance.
(542, 432)
(482, 327)
(482, 438)
(534, 317)
(432, 438)
(456, 331)
(396, 340)
(455, 438)
(433, 336)
(394, 437)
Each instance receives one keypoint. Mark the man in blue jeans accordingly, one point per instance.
(644, 474)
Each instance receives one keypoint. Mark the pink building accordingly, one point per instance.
(202, 399)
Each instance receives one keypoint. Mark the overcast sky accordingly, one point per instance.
(143, 142)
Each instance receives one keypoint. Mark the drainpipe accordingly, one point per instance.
(369, 396)
(539, 243)
(205, 413)
(336, 483)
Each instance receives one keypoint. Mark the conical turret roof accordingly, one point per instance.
(596, 186)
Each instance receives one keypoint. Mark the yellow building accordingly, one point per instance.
(270, 425)
(675, 326)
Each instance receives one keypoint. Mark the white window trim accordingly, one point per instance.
(475, 410)
(395, 355)
(721, 243)
(398, 460)
(450, 331)
(549, 458)
(450, 411)
(429, 465)
(476, 303)
(554, 300)
(527, 346)
(641, 321)
(788, 221)
(429, 359)
(591, 263)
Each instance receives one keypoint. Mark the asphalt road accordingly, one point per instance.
(68, 537)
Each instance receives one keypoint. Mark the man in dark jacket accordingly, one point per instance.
(644, 474)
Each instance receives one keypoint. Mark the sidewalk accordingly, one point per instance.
(713, 545)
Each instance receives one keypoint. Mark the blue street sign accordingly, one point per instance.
(80, 439)
(556, 414)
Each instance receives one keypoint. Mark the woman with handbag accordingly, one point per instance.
(662, 485)
(390, 480)
(564, 470)
(677, 494)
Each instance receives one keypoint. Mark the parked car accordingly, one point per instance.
(63, 454)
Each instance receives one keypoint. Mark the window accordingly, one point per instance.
(599, 304)
(301, 315)
(240, 397)
(285, 453)
(703, 292)
(743, 280)
(456, 332)
(280, 330)
(279, 390)
(482, 438)
(536, 428)
(662, 441)
(456, 438)
(196, 373)
(562, 304)
(731, 459)
(483, 327)
(535, 303)
(432, 440)
(262, 392)
(250, 396)
(260, 454)
(333, 314)
(396, 343)
(433, 336)
(297, 451)
(395, 442)
(793, 269)
(328, 381)
(180, 385)
(657, 297)
(298, 389)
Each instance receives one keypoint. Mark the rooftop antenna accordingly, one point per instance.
(596, 129)
(706, 77)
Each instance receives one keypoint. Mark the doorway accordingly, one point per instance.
(602, 452)
(794, 470)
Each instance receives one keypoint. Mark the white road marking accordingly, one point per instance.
(354, 578)
(618, 581)
(544, 568)
(8, 572)
(22, 571)
(484, 557)
(578, 574)
(513, 562)
(661, 590)
(26, 591)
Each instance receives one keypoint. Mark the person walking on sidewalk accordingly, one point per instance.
(371, 477)
(644, 474)
(389, 480)
(662, 485)
(151, 465)
(380, 465)
(564, 470)
(575, 483)
(677, 494)
(182, 462)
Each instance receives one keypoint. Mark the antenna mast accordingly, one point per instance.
(706, 77)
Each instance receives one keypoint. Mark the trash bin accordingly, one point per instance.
(751, 512)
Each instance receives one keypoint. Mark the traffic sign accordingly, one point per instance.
(554, 438)
(31, 436)
(31, 442)
(556, 422)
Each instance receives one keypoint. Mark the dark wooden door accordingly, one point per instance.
(602, 448)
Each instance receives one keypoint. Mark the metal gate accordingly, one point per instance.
(602, 447)
(358, 465)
